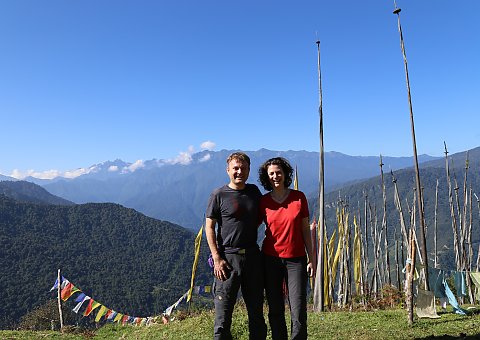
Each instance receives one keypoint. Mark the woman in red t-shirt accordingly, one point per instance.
(287, 242)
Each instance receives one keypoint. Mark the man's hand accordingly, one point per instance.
(221, 269)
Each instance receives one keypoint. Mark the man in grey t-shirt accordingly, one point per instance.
(233, 208)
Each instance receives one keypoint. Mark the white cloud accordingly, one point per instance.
(94, 168)
(207, 145)
(49, 174)
(75, 173)
(206, 157)
(184, 157)
(44, 175)
(135, 166)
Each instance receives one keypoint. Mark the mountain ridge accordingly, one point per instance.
(179, 192)
(29, 192)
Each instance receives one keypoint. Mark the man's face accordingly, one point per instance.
(238, 172)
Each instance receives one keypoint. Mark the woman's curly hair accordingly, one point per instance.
(281, 162)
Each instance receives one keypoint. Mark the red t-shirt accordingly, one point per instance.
(283, 221)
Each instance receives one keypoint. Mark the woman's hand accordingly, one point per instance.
(310, 269)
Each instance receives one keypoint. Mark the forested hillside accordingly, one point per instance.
(125, 260)
(28, 192)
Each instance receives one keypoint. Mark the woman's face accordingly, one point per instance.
(276, 176)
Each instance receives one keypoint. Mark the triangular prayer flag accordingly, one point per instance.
(64, 283)
(118, 317)
(80, 297)
(125, 319)
(169, 310)
(56, 283)
(91, 306)
(100, 313)
(66, 292)
(111, 316)
(107, 314)
(80, 303)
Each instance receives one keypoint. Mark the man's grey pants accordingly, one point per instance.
(247, 274)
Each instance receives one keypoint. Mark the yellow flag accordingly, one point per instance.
(341, 228)
(326, 278)
(100, 313)
(329, 264)
(295, 179)
(198, 241)
(118, 318)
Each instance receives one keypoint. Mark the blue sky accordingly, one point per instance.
(82, 82)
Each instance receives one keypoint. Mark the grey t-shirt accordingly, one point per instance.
(236, 213)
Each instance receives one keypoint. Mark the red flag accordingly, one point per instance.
(91, 306)
(107, 314)
(125, 319)
(66, 292)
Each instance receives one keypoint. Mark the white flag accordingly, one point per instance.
(77, 307)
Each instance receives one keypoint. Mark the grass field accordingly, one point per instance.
(382, 324)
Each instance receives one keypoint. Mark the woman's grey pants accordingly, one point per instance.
(294, 271)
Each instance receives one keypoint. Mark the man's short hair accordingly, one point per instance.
(239, 156)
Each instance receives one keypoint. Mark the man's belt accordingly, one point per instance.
(240, 251)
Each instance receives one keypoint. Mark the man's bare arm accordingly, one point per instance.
(221, 268)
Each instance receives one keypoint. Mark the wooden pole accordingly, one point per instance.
(417, 173)
(435, 228)
(375, 272)
(365, 252)
(59, 288)
(384, 226)
(452, 211)
(464, 218)
(478, 259)
(461, 244)
(410, 272)
(469, 235)
(318, 295)
(398, 205)
(478, 252)
(404, 242)
(410, 266)
(470, 253)
(397, 267)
